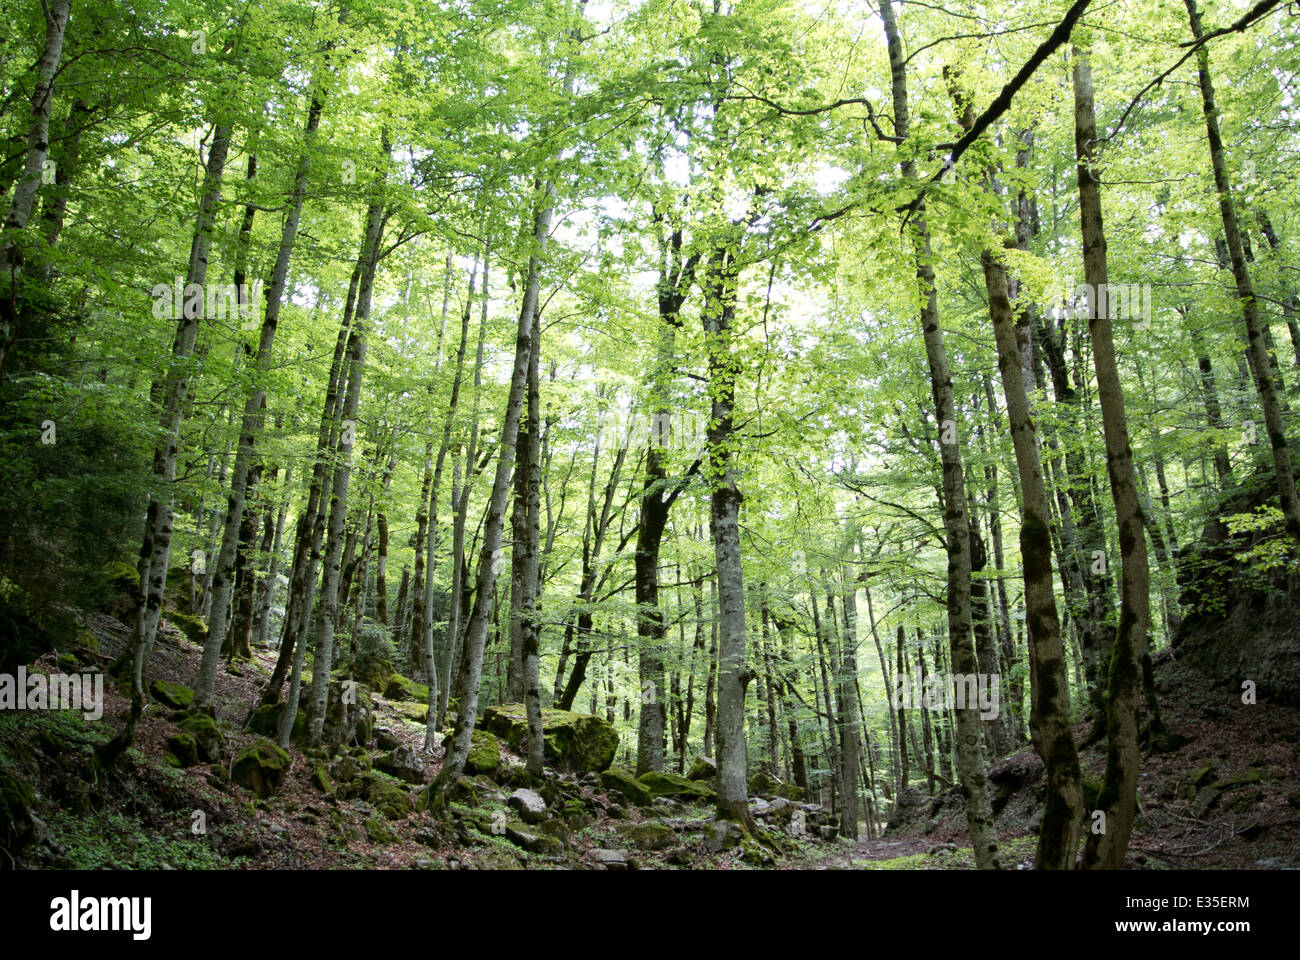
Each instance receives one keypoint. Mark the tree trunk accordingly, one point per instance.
(1049, 719)
(970, 761)
(251, 425)
(1119, 790)
(329, 591)
(29, 183)
(1262, 363)
(471, 667)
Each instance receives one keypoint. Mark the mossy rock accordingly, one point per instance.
(265, 722)
(493, 857)
(187, 623)
(380, 832)
(389, 798)
(763, 784)
(676, 786)
(260, 767)
(418, 712)
(577, 742)
(399, 687)
(182, 750)
(648, 836)
(621, 781)
(123, 582)
(174, 695)
(68, 663)
(320, 778)
(702, 768)
(534, 842)
(374, 673)
(206, 733)
(484, 753)
(574, 815)
(464, 790)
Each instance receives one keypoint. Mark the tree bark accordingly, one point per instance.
(1118, 797)
(1262, 363)
(970, 761)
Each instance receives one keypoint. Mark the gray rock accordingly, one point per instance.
(529, 804)
(721, 834)
(403, 762)
(610, 859)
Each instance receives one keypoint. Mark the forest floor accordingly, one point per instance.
(1228, 796)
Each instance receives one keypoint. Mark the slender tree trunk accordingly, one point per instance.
(850, 739)
(475, 643)
(1049, 722)
(158, 523)
(29, 182)
(1119, 790)
(718, 315)
(329, 592)
(311, 524)
(1262, 364)
(979, 812)
(253, 419)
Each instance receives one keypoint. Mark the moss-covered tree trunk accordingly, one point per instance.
(1118, 798)
(970, 753)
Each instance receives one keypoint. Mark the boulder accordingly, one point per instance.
(1240, 622)
(389, 798)
(496, 858)
(577, 742)
(123, 582)
(265, 721)
(721, 835)
(484, 753)
(403, 762)
(182, 751)
(174, 695)
(610, 859)
(538, 843)
(415, 712)
(763, 784)
(260, 767)
(207, 735)
(647, 835)
(529, 804)
(380, 832)
(401, 688)
(620, 780)
(320, 778)
(676, 786)
(385, 739)
(193, 627)
(702, 768)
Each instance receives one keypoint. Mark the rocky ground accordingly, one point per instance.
(199, 792)
(1220, 791)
